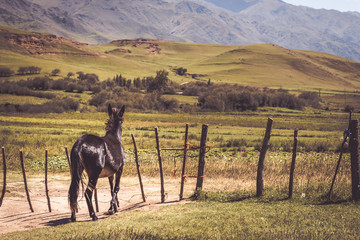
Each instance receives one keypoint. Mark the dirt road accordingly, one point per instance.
(15, 214)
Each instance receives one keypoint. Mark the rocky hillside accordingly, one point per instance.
(35, 43)
(235, 22)
(256, 65)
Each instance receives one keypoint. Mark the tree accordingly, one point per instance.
(159, 83)
(22, 70)
(55, 72)
(81, 75)
(6, 72)
(70, 74)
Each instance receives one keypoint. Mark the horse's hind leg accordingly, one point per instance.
(117, 183)
(88, 195)
(113, 208)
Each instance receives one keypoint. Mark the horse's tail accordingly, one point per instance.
(76, 176)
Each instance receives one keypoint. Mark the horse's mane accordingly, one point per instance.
(110, 124)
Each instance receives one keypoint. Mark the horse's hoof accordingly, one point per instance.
(110, 212)
(73, 219)
(94, 218)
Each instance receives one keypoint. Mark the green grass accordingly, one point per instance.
(247, 219)
(226, 209)
(238, 131)
(21, 100)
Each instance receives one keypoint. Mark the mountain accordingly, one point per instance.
(233, 22)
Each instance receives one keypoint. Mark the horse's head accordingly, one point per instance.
(115, 118)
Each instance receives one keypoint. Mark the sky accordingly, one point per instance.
(341, 5)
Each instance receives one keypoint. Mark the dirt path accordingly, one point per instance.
(15, 214)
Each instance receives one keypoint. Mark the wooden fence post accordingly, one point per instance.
(138, 168)
(346, 135)
(201, 168)
(160, 166)
(96, 200)
(355, 159)
(264, 148)
(68, 159)
(46, 180)
(25, 182)
(186, 148)
(4, 170)
(292, 169)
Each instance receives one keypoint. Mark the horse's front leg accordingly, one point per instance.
(113, 208)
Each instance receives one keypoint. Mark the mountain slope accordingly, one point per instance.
(257, 65)
(198, 21)
(306, 28)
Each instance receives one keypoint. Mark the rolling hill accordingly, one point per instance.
(257, 65)
(198, 21)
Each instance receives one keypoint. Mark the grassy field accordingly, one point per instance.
(318, 131)
(247, 219)
(226, 209)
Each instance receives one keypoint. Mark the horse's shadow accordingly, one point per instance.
(67, 220)
(57, 222)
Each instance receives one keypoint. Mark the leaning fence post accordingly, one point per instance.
(46, 180)
(96, 200)
(160, 166)
(25, 182)
(201, 168)
(346, 135)
(4, 170)
(355, 159)
(138, 168)
(264, 148)
(186, 148)
(292, 169)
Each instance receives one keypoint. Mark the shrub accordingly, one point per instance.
(28, 70)
(5, 72)
(349, 108)
(180, 71)
(227, 97)
(55, 72)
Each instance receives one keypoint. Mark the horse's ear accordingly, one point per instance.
(121, 113)
(110, 111)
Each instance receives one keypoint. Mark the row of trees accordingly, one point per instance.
(146, 93)
(28, 70)
(233, 97)
(160, 83)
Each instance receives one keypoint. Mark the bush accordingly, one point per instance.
(233, 97)
(29, 70)
(20, 89)
(55, 72)
(349, 108)
(5, 72)
(180, 71)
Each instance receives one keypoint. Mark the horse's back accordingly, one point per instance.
(90, 151)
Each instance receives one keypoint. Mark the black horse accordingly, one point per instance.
(100, 157)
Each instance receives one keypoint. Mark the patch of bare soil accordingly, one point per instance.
(15, 214)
